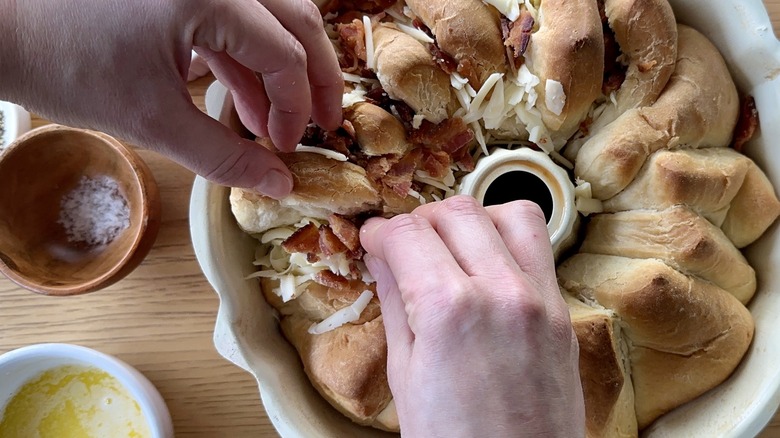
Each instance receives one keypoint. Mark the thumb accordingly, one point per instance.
(213, 151)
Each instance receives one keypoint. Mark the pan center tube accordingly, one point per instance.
(525, 174)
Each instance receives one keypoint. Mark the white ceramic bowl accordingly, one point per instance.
(247, 332)
(20, 365)
(16, 121)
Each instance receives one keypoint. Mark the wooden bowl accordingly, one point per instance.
(36, 172)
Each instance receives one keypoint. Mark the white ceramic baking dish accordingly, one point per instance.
(247, 333)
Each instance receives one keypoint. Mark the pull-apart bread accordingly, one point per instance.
(645, 108)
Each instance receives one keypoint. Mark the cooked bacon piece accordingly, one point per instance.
(377, 167)
(449, 136)
(346, 231)
(747, 124)
(329, 279)
(517, 35)
(464, 159)
(330, 243)
(352, 38)
(366, 6)
(436, 163)
(305, 239)
(399, 177)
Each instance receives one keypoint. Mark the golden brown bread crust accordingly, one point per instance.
(377, 131)
(321, 186)
(606, 385)
(698, 108)
(407, 72)
(753, 209)
(685, 335)
(646, 31)
(679, 237)
(322, 183)
(346, 365)
(706, 180)
(568, 48)
(469, 31)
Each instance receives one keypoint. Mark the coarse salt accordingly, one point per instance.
(95, 211)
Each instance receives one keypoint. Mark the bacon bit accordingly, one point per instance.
(404, 111)
(436, 163)
(347, 126)
(517, 36)
(399, 177)
(312, 258)
(419, 25)
(443, 59)
(449, 136)
(346, 231)
(305, 239)
(352, 37)
(330, 243)
(746, 125)
(377, 167)
(329, 279)
(464, 159)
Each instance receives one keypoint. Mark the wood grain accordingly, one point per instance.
(160, 319)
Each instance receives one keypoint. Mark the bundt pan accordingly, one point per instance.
(248, 335)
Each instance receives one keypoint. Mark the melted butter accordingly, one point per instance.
(73, 402)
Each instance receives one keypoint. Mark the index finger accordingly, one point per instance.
(302, 18)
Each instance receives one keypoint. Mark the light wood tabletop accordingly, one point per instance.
(160, 319)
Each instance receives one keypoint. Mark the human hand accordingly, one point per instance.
(479, 338)
(121, 67)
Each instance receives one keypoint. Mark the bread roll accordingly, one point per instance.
(568, 48)
(646, 31)
(685, 335)
(407, 72)
(348, 365)
(753, 209)
(467, 30)
(698, 108)
(256, 213)
(606, 384)
(679, 237)
(706, 180)
(377, 131)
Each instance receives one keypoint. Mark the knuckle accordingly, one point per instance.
(529, 208)
(530, 308)
(230, 171)
(461, 204)
(404, 227)
(293, 57)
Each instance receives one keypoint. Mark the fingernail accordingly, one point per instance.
(275, 184)
(371, 225)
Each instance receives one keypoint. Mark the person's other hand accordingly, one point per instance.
(121, 67)
(479, 338)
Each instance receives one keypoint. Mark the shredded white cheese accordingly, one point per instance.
(353, 97)
(415, 33)
(343, 316)
(369, 31)
(554, 96)
(333, 155)
(417, 121)
(508, 8)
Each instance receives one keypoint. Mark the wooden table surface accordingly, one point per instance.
(160, 320)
